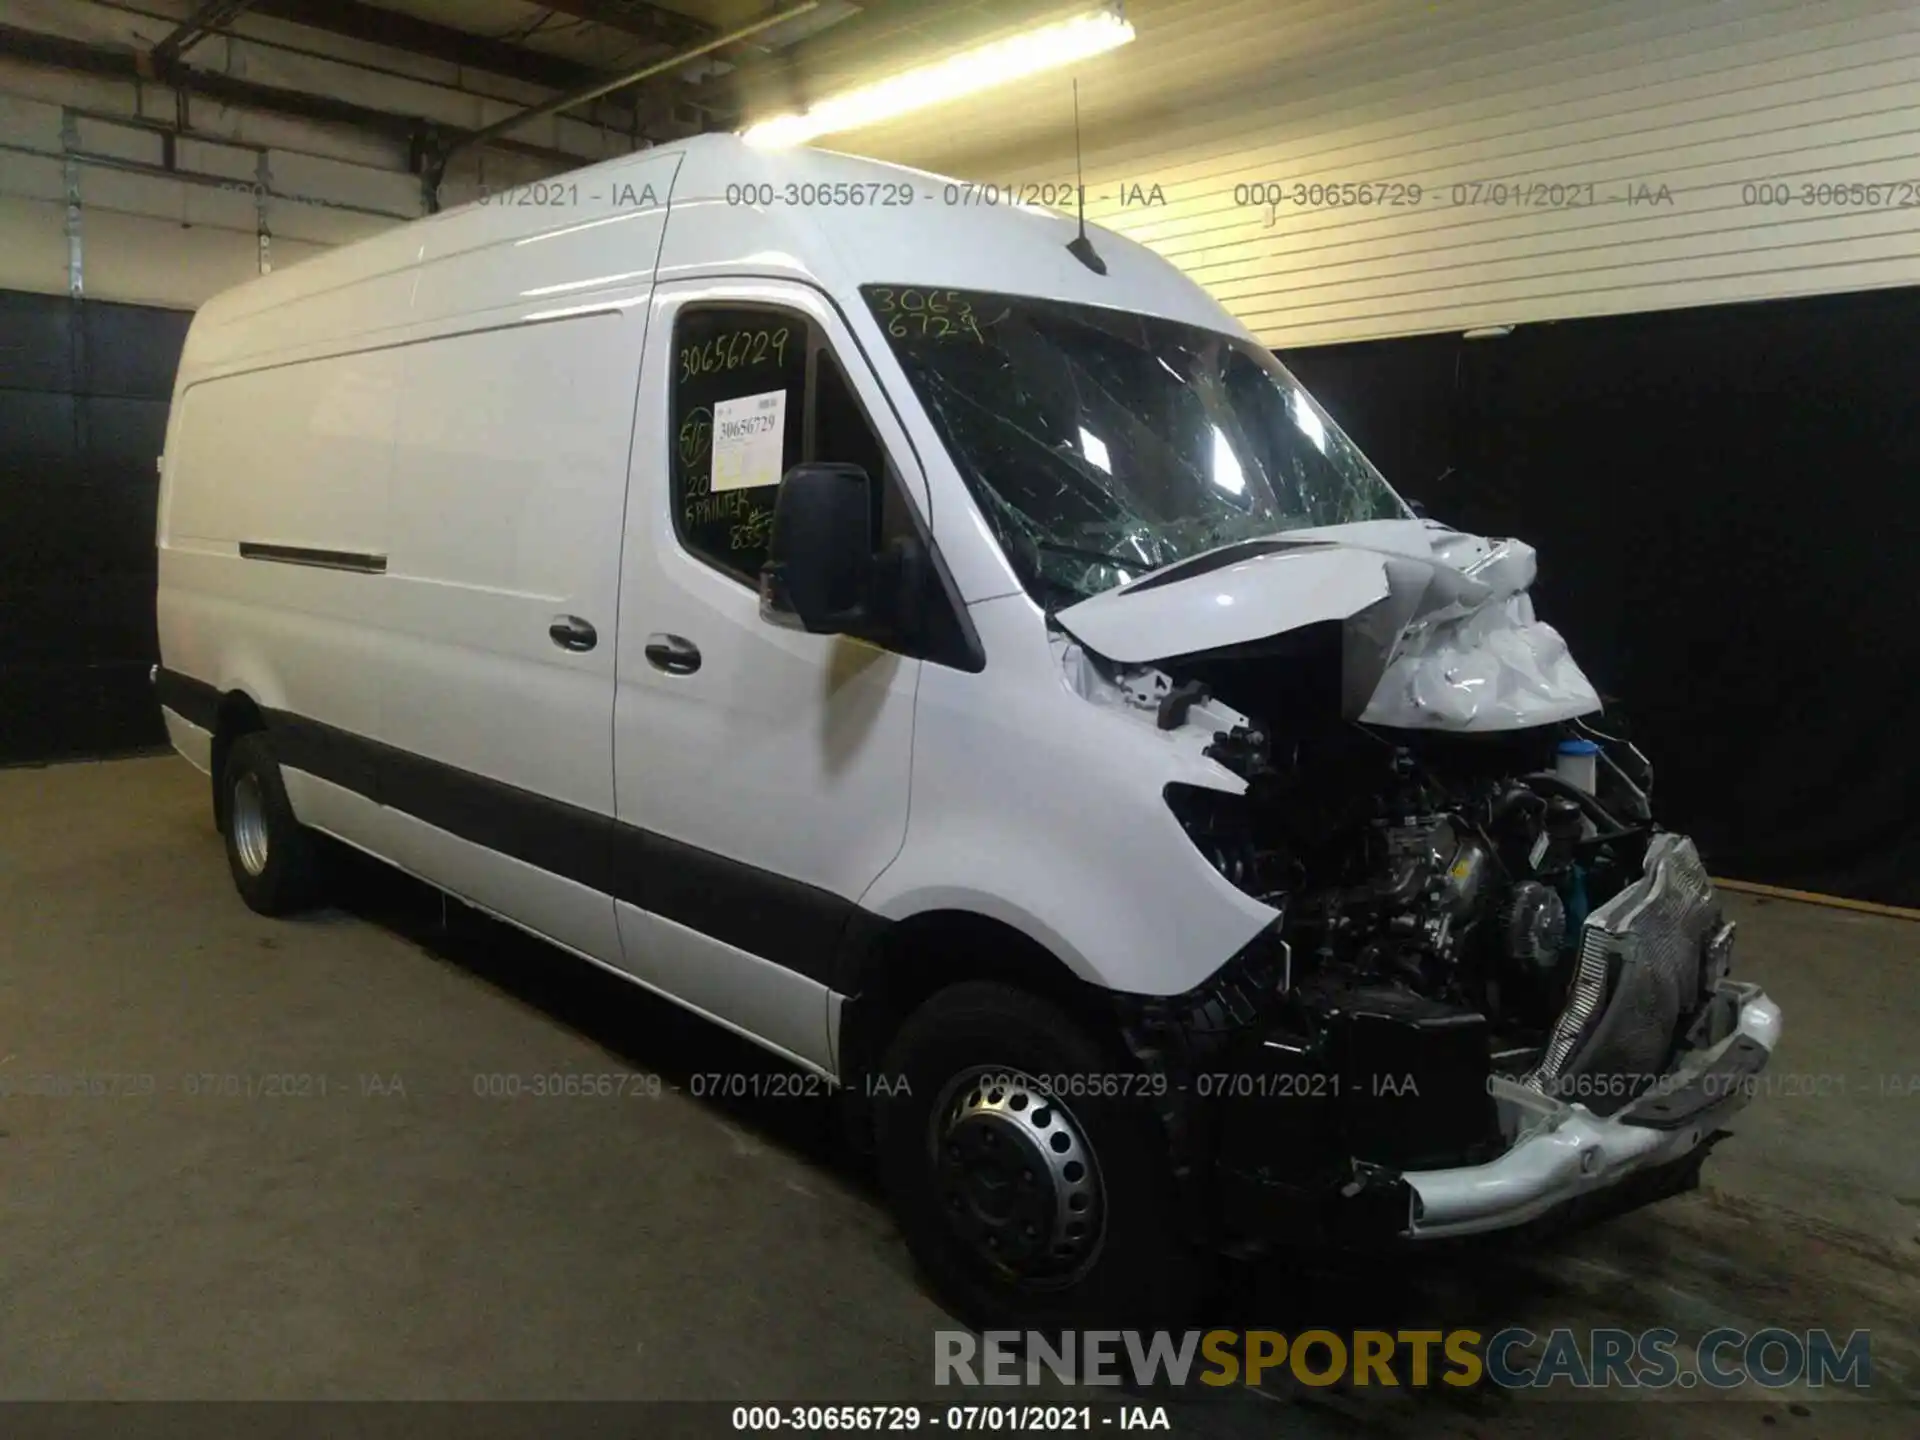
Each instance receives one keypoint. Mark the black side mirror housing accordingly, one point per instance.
(820, 570)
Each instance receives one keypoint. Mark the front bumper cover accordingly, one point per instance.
(1288, 1173)
(1367, 1114)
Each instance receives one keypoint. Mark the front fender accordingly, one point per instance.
(1035, 808)
(1134, 938)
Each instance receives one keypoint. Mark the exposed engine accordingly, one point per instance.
(1450, 867)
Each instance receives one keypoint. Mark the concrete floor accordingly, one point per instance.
(402, 1237)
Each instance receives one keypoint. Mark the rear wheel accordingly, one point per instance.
(1027, 1169)
(274, 858)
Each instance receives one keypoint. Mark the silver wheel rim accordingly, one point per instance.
(1016, 1177)
(248, 820)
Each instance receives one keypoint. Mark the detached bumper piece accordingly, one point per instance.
(1564, 1152)
(1743, 1059)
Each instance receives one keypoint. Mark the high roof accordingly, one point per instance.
(703, 207)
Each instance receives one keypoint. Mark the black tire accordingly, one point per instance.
(1140, 1269)
(274, 858)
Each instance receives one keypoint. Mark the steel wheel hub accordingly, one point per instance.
(1016, 1177)
(249, 824)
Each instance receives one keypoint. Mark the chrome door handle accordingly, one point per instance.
(570, 632)
(674, 654)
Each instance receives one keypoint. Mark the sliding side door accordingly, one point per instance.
(508, 490)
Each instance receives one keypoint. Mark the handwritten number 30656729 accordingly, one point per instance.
(734, 350)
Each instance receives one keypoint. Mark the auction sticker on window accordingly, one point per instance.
(749, 436)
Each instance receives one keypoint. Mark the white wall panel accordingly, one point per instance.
(33, 245)
(31, 177)
(145, 261)
(152, 237)
(1656, 115)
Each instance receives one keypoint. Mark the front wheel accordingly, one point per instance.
(1027, 1170)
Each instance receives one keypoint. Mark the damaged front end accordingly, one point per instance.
(1488, 994)
(1495, 990)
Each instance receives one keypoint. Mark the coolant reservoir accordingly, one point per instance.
(1577, 763)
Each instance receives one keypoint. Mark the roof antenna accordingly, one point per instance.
(1081, 248)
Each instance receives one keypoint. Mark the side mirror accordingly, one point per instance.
(819, 575)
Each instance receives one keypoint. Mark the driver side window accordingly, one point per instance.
(737, 412)
(755, 391)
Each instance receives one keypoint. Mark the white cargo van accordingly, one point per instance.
(950, 651)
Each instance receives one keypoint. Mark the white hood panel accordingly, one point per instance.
(1439, 631)
(1251, 600)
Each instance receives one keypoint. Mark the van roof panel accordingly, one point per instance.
(909, 227)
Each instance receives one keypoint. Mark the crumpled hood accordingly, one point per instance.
(1438, 630)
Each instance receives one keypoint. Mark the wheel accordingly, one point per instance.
(1030, 1202)
(274, 858)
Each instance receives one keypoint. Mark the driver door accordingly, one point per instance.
(761, 773)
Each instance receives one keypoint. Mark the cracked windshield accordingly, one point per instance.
(1103, 444)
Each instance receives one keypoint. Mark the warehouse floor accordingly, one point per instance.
(402, 1236)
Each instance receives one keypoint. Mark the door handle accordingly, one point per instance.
(570, 632)
(674, 654)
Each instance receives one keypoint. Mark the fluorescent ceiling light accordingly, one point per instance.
(1028, 53)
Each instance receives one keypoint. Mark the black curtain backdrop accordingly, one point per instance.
(1726, 502)
(84, 391)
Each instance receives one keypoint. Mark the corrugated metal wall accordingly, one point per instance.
(1480, 162)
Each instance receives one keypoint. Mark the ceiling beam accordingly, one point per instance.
(421, 135)
(608, 85)
(400, 31)
(665, 27)
(394, 29)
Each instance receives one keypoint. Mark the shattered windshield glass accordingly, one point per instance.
(1103, 444)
